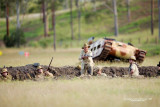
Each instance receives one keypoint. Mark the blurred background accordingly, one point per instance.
(65, 24)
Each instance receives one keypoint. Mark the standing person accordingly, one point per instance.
(133, 69)
(86, 60)
(5, 76)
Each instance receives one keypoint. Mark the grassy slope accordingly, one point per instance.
(99, 24)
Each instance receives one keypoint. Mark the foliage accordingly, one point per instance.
(92, 16)
(9, 41)
(17, 38)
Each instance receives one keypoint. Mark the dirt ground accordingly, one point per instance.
(23, 72)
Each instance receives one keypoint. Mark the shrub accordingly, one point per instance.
(92, 16)
(17, 38)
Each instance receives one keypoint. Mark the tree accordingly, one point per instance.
(18, 12)
(66, 4)
(114, 10)
(94, 5)
(7, 17)
(115, 17)
(53, 7)
(79, 19)
(71, 20)
(128, 10)
(152, 16)
(44, 17)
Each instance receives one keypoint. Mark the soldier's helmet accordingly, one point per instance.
(85, 45)
(79, 67)
(133, 58)
(4, 70)
(39, 67)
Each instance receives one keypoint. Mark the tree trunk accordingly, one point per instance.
(66, 4)
(47, 24)
(72, 36)
(18, 11)
(79, 20)
(94, 5)
(128, 11)
(115, 18)
(54, 29)
(44, 18)
(152, 16)
(7, 18)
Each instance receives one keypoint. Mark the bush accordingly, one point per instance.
(9, 41)
(17, 38)
(92, 16)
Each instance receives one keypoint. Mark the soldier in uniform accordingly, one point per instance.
(133, 69)
(99, 73)
(5, 76)
(42, 75)
(86, 60)
(48, 75)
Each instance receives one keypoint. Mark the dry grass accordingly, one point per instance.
(62, 57)
(76, 92)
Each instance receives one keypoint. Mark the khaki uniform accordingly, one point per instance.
(44, 76)
(7, 78)
(135, 70)
(39, 77)
(48, 75)
(102, 74)
(86, 64)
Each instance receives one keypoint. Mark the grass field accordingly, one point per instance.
(62, 57)
(115, 92)
(76, 92)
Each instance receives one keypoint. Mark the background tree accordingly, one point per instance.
(79, 18)
(7, 16)
(152, 17)
(66, 4)
(71, 20)
(94, 5)
(115, 17)
(53, 6)
(43, 6)
(18, 13)
(44, 17)
(128, 10)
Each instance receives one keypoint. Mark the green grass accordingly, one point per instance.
(98, 24)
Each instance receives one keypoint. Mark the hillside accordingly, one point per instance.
(98, 24)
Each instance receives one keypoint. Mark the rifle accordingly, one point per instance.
(49, 64)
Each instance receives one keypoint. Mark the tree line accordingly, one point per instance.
(46, 6)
